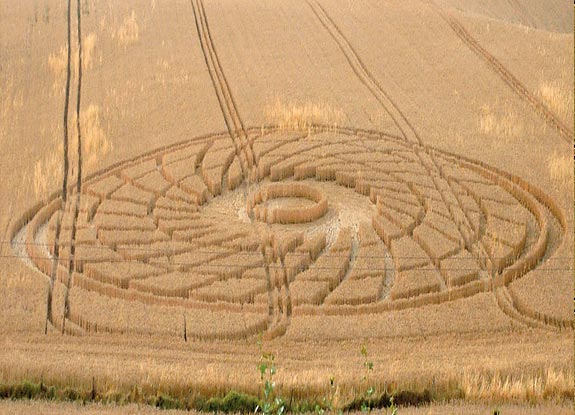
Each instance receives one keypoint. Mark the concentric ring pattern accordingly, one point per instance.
(175, 229)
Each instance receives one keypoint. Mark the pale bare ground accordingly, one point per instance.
(532, 14)
(478, 409)
(53, 408)
(147, 83)
(49, 408)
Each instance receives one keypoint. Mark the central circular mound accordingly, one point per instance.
(286, 212)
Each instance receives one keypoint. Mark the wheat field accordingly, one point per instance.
(183, 179)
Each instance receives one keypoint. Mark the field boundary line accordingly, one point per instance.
(511, 80)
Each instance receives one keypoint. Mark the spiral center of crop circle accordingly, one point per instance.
(287, 203)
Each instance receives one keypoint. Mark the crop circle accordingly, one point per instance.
(424, 228)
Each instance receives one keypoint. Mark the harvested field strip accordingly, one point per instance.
(403, 220)
(161, 213)
(408, 254)
(178, 170)
(195, 186)
(138, 295)
(175, 284)
(414, 282)
(155, 249)
(232, 266)
(154, 183)
(132, 317)
(509, 233)
(193, 154)
(355, 292)
(112, 221)
(119, 274)
(170, 225)
(86, 254)
(192, 259)
(133, 194)
(179, 196)
(176, 200)
(308, 291)
(115, 237)
(459, 269)
(123, 208)
(435, 244)
(369, 262)
(103, 188)
(507, 77)
(367, 235)
(138, 170)
(233, 290)
(386, 230)
(313, 245)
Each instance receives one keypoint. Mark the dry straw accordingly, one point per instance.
(302, 116)
(561, 169)
(129, 31)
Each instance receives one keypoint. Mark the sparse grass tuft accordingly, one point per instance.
(559, 100)
(88, 46)
(95, 143)
(298, 116)
(58, 62)
(551, 384)
(129, 31)
(507, 125)
(561, 169)
(48, 169)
